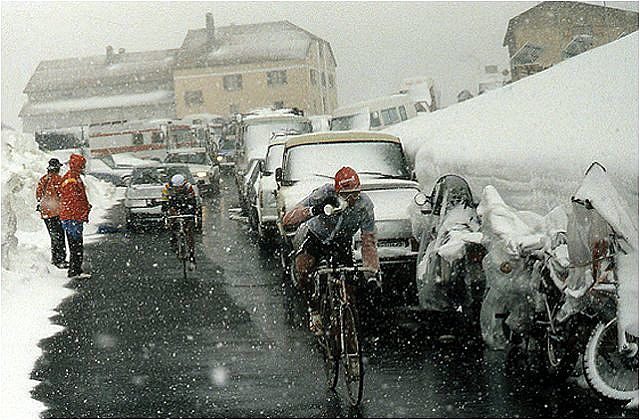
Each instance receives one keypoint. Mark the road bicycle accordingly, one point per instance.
(182, 247)
(335, 287)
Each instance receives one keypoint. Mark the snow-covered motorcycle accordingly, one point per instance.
(449, 273)
(525, 266)
(603, 250)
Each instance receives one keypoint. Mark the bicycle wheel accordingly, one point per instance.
(329, 340)
(611, 373)
(353, 369)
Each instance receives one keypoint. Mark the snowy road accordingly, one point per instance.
(140, 342)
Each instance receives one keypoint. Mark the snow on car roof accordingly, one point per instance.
(340, 137)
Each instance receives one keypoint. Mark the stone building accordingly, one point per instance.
(554, 31)
(238, 68)
(119, 85)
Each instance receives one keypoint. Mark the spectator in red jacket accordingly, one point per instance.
(74, 211)
(48, 197)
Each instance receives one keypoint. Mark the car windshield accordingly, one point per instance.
(257, 135)
(227, 144)
(158, 175)
(377, 158)
(274, 158)
(190, 158)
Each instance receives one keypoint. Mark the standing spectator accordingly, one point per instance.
(74, 211)
(48, 197)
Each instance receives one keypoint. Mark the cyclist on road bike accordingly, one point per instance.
(318, 232)
(179, 199)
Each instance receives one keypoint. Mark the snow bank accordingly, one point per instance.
(31, 287)
(533, 139)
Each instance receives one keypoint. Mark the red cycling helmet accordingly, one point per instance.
(347, 180)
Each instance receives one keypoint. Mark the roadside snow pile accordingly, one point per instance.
(31, 286)
(534, 139)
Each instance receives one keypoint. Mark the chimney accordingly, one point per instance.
(109, 58)
(211, 31)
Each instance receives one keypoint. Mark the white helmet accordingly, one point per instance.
(178, 180)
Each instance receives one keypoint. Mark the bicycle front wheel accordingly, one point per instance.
(610, 372)
(353, 369)
(329, 340)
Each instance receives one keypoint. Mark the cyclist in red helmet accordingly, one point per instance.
(317, 231)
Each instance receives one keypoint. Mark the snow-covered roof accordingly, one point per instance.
(157, 97)
(82, 72)
(238, 44)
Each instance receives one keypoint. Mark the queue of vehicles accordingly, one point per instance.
(450, 262)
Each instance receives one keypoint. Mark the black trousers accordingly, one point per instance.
(56, 233)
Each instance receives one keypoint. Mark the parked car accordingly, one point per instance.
(226, 153)
(205, 171)
(264, 212)
(311, 160)
(105, 168)
(253, 136)
(143, 197)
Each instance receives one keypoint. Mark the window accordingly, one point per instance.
(156, 137)
(320, 49)
(403, 112)
(324, 80)
(374, 119)
(331, 81)
(275, 78)
(193, 98)
(232, 82)
(390, 116)
(137, 139)
(278, 105)
(313, 77)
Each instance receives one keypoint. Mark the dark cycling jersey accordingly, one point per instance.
(182, 199)
(342, 225)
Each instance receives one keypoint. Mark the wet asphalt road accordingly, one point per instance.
(141, 342)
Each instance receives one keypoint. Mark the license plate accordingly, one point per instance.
(390, 243)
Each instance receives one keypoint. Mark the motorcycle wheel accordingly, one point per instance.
(611, 373)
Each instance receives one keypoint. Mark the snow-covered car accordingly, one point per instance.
(264, 211)
(106, 169)
(312, 160)
(254, 134)
(205, 171)
(143, 197)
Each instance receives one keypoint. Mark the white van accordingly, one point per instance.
(374, 114)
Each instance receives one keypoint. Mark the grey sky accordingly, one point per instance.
(376, 44)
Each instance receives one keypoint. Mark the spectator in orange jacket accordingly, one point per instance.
(48, 197)
(74, 211)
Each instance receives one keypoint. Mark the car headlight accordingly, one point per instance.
(220, 158)
(201, 174)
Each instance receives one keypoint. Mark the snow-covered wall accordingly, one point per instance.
(534, 139)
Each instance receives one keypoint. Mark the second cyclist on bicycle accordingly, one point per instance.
(348, 211)
(179, 199)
